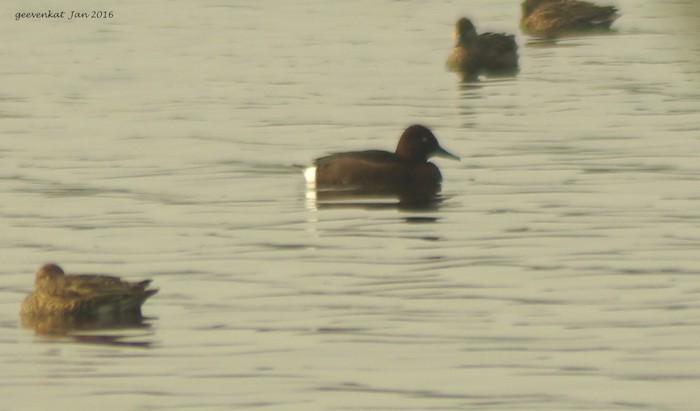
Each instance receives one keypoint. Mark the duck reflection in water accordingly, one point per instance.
(63, 303)
(405, 174)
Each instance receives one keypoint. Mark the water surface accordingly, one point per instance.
(559, 271)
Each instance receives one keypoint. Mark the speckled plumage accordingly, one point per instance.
(84, 296)
(550, 18)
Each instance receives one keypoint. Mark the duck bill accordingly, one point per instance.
(441, 152)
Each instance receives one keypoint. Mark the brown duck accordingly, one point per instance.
(88, 296)
(487, 53)
(551, 18)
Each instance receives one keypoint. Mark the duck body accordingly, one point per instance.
(86, 296)
(377, 171)
(488, 53)
(373, 168)
(498, 52)
(551, 18)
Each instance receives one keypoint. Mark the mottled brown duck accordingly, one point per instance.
(486, 53)
(552, 18)
(84, 296)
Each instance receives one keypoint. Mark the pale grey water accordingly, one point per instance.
(561, 272)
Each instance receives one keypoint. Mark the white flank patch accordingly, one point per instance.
(310, 174)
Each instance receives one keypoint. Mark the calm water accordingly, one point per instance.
(560, 272)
